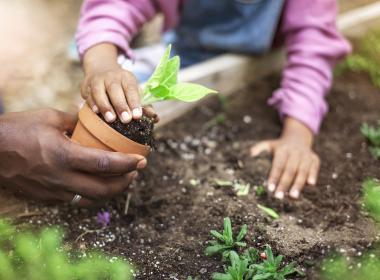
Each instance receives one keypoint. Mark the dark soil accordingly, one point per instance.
(140, 131)
(175, 203)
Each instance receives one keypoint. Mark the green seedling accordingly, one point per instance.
(223, 183)
(269, 211)
(260, 190)
(238, 269)
(271, 268)
(42, 256)
(225, 241)
(163, 84)
(241, 189)
(220, 118)
(372, 135)
(371, 197)
(365, 59)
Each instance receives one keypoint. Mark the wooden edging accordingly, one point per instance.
(230, 72)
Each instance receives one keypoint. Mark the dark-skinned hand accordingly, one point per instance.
(38, 160)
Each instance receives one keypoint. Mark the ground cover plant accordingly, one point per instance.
(42, 256)
(366, 58)
(366, 267)
(247, 265)
(372, 135)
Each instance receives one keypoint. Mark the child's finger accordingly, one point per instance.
(300, 181)
(150, 113)
(261, 147)
(101, 100)
(131, 89)
(117, 97)
(92, 105)
(314, 170)
(278, 166)
(85, 89)
(288, 175)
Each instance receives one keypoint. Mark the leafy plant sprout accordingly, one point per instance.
(269, 211)
(252, 265)
(372, 134)
(163, 84)
(42, 256)
(225, 242)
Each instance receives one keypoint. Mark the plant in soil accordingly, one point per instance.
(225, 241)
(372, 134)
(366, 267)
(250, 264)
(42, 256)
(162, 85)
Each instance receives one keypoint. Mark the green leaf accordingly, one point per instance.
(269, 211)
(160, 72)
(223, 183)
(241, 189)
(218, 235)
(188, 92)
(222, 276)
(242, 233)
(216, 249)
(227, 231)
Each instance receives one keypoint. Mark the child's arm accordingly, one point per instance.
(313, 47)
(105, 29)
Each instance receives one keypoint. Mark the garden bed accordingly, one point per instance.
(176, 202)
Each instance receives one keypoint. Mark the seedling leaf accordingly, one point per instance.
(269, 211)
(223, 183)
(163, 84)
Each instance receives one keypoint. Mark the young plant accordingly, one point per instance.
(271, 268)
(238, 270)
(366, 58)
(225, 241)
(163, 84)
(371, 197)
(373, 137)
(269, 211)
(25, 255)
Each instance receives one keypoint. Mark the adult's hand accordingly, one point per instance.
(38, 160)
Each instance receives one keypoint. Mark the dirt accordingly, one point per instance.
(175, 203)
(140, 131)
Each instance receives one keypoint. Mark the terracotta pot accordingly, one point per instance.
(92, 131)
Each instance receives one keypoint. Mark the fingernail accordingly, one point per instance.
(137, 112)
(295, 194)
(312, 181)
(271, 187)
(141, 164)
(95, 109)
(109, 116)
(279, 195)
(125, 117)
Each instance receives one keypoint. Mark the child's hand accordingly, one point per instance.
(109, 89)
(294, 162)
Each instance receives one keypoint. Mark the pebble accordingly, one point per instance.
(247, 119)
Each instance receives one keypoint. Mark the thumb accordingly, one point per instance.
(263, 146)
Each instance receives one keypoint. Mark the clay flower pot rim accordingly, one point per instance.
(107, 135)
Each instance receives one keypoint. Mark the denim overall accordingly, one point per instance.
(211, 27)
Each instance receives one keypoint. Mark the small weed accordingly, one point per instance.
(241, 189)
(225, 242)
(42, 256)
(371, 197)
(269, 211)
(365, 59)
(249, 265)
(260, 190)
(372, 135)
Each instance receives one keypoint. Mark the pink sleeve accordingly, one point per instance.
(313, 46)
(117, 21)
